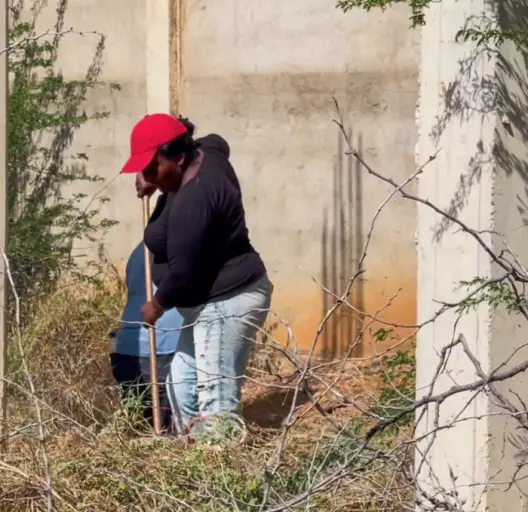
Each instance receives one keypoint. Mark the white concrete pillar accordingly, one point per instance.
(470, 108)
(157, 33)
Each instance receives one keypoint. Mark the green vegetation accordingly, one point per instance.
(44, 112)
(479, 29)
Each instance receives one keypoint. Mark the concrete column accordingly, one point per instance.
(472, 101)
(157, 34)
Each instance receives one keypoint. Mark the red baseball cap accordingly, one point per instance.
(147, 136)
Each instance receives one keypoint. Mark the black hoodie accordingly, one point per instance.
(198, 235)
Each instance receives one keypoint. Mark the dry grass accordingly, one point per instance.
(99, 463)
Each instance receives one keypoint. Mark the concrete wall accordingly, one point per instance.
(263, 75)
(137, 60)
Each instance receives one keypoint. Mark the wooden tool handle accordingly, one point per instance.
(152, 331)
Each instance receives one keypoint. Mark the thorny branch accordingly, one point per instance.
(514, 274)
(24, 40)
(363, 441)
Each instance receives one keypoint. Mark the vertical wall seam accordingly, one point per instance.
(176, 14)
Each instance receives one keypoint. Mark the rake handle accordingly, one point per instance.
(151, 330)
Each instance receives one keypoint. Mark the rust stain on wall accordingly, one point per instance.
(339, 228)
(347, 329)
(384, 277)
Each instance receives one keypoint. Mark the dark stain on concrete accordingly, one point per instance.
(302, 95)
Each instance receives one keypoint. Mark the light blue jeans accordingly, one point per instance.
(206, 374)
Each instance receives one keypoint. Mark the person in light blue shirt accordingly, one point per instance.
(129, 345)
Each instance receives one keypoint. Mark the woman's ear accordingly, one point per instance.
(181, 160)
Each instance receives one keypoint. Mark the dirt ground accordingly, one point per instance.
(353, 388)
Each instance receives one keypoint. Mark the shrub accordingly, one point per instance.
(44, 111)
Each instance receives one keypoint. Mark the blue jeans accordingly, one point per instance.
(206, 373)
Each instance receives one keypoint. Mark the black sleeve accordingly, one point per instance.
(188, 223)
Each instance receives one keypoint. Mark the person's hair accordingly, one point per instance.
(185, 144)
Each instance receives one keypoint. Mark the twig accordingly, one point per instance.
(41, 429)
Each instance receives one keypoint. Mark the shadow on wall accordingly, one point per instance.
(341, 246)
(512, 99)
(467, 95)
(505, 92)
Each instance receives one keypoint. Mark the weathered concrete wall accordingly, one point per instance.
(473, 101)
(263, 74)
(135, 56)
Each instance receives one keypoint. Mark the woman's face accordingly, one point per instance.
(165, 174)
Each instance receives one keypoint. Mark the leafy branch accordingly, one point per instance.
(479, 29)
(44, 111)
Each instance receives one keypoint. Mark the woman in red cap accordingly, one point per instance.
(203, 264)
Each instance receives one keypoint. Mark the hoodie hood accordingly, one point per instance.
(216, 143)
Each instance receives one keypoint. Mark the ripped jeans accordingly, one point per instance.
(206, 373)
